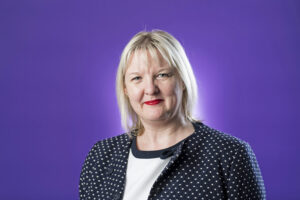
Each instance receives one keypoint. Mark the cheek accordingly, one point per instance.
(172, 90)
(133, 93)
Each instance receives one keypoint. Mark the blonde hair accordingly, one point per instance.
(172, 51)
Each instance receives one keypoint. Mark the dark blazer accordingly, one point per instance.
(207, 165)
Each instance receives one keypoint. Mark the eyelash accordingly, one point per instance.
(164, 75)
(135, 78)
(161, 74)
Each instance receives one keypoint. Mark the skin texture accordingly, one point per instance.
(151, 78)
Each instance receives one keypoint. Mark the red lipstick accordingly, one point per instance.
(153, 102)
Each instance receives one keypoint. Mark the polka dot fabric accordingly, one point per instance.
(207, 165)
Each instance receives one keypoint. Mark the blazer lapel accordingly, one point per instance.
(118, 166)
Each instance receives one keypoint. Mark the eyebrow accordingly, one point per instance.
(133, 73)
(162, 69)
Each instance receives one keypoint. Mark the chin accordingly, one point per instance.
(156, 118)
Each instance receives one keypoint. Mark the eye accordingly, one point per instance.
(136, 78)
(164, 75)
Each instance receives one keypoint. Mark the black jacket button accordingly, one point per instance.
(167, 153)
(109, 171)
(116, 196)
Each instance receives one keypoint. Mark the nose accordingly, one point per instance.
(151, 87)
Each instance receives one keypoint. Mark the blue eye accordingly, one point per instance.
(136, 78)
(163, 75)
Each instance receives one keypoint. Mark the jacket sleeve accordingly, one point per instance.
(245, 180)
(85, 175)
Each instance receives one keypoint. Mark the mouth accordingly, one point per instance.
(153, 102)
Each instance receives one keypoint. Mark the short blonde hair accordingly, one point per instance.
(172, 51)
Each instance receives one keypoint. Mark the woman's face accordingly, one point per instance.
(153, 87)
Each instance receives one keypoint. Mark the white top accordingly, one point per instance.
(143, 169)
(140, 176)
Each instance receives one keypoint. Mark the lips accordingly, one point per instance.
(153, 102)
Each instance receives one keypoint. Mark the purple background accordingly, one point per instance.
(58, 61)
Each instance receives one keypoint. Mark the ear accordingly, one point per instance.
(125, 91)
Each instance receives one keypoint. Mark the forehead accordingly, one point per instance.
(145, 59)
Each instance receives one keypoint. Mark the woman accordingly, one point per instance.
(166, 153)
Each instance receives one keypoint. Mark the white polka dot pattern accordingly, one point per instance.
(207, 165)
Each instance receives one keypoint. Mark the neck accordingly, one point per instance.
(162, 134)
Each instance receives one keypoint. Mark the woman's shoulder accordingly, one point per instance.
(110, 144)
(117, 139)
(218, 141)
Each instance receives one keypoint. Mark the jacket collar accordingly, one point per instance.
(175, 154)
